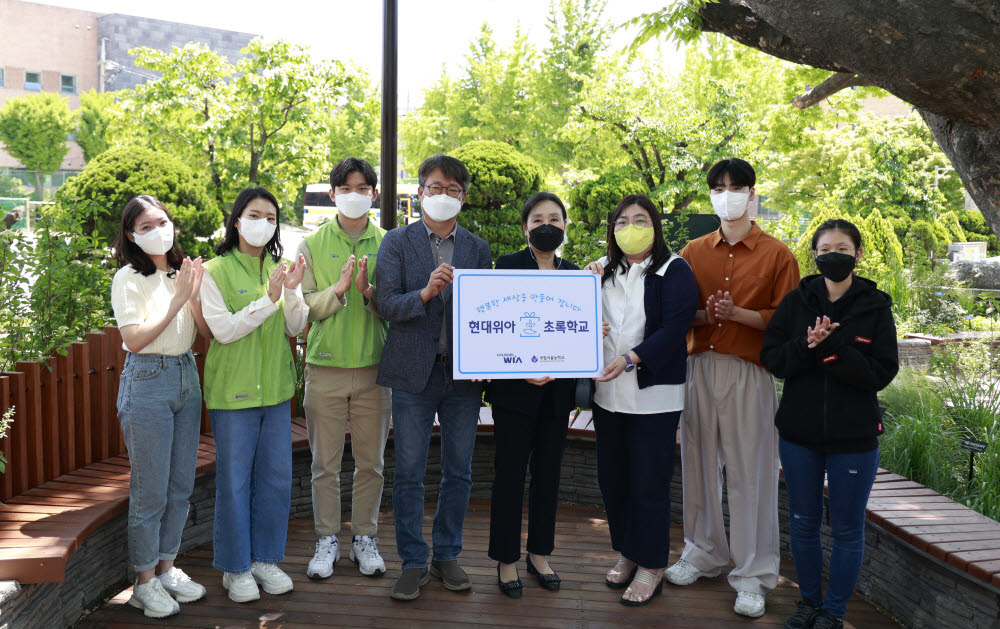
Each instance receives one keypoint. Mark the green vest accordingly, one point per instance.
(353, 336)
(256, 370)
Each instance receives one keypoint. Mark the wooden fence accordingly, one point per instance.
(66, 413)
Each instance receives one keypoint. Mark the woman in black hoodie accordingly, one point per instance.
(833, 341)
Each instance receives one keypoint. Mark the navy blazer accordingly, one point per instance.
(518, 395)
(404, 265)
(670, 299)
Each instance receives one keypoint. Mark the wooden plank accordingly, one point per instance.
(81, 403)
(50, 420)
(66, 420)
(116, 358)
(99, 410)
(32, 420)
(7, 479)
(20, 435)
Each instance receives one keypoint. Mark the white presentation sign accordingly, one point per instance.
(526, 324)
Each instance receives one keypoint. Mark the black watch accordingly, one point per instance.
(629, 365)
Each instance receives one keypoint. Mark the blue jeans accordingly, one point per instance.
(850, 477)
(413, 421)
(253, 485)
(159, 407)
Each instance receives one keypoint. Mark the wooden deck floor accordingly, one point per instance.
(582, 555)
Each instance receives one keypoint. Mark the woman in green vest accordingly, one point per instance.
(251, 300)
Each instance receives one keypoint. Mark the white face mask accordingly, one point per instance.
(157, 241)
(352, 204)
(257, 232)
(441, 207)
(730, 205)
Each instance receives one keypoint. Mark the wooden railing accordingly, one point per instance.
(66, 412)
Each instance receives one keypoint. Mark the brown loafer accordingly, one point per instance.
(453, 577)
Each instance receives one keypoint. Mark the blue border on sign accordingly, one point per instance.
(597, 326)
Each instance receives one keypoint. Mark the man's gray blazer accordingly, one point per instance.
(404, 266)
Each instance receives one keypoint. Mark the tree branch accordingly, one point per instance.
(833, 84)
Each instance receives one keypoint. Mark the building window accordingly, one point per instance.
(67, 84)
(32, 80)
(3, 76)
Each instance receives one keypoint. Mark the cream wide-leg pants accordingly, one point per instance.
(728, 422)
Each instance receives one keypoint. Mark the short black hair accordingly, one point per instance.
(231, 240)
(450, 166)
(537, 198)
(350, 165)
(840, 225)
(740, 173)
(127, 252)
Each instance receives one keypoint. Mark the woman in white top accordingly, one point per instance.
(252, 302)
(154, 296)
(649, 298)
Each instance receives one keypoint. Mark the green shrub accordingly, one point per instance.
(589, 206)
(900, 226)
(950, 222)
(502, 180)
(920, 243)
(117, 175)
(972, 222)
(882, 252)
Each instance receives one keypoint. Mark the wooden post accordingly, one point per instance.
(19, 463)
(66, 409)
(7, 479)
(30, 415)
(98, 383)
(81, 403)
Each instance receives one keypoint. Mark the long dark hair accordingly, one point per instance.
(616, 257)
(232, 238)
(127, 252)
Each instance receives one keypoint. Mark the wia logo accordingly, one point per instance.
(512, 359)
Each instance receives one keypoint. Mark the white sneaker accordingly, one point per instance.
(180, 586)
(153, 600)
(683, 573)
(364, 552)
(271, 577)
(749, 604)
(327, 554)
(242, 587)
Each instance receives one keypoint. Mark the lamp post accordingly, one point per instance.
(390, 40)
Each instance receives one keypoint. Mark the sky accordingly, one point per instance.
(432, 33)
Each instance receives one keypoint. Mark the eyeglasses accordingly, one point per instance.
(451, 191)
(841, 249)
(638, 221)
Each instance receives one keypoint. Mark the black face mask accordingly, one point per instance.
(546, 237)
(834, 266)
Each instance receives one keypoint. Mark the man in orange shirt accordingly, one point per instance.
(742, 275)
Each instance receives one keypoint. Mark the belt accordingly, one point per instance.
(442, 358)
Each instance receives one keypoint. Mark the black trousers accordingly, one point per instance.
(539, 438)
(635, 462)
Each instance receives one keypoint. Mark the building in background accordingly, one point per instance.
(46, 48)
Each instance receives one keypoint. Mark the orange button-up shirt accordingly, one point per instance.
(758, 272)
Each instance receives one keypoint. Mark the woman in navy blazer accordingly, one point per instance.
(649, 298)
(530, 419)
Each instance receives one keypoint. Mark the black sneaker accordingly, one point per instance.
(803, 617)
(826, 620)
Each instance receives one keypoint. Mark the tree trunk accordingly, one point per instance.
(39, 196)
(942, 56)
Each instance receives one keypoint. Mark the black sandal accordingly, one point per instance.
(550, 582)
(510, 588)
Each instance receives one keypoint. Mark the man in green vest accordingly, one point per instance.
(342, 358)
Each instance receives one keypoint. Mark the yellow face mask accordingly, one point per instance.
(633, 239)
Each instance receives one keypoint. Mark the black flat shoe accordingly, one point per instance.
(550, 582)
(510, 588)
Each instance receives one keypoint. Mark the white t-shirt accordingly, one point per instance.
(136, 299)
(624, 308)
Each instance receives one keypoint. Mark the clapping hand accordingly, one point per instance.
(294, 275)
(361, 281)
(276, 281)
(820, 331)
(344, 281)
(187, 281)
(724, 307)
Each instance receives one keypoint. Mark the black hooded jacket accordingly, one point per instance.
(829, 401)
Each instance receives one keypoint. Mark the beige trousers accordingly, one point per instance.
(728, 422)
(335, 396)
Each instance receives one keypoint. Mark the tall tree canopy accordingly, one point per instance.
(34, 130)
(942, 56)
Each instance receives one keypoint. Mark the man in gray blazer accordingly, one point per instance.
(413, 280)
